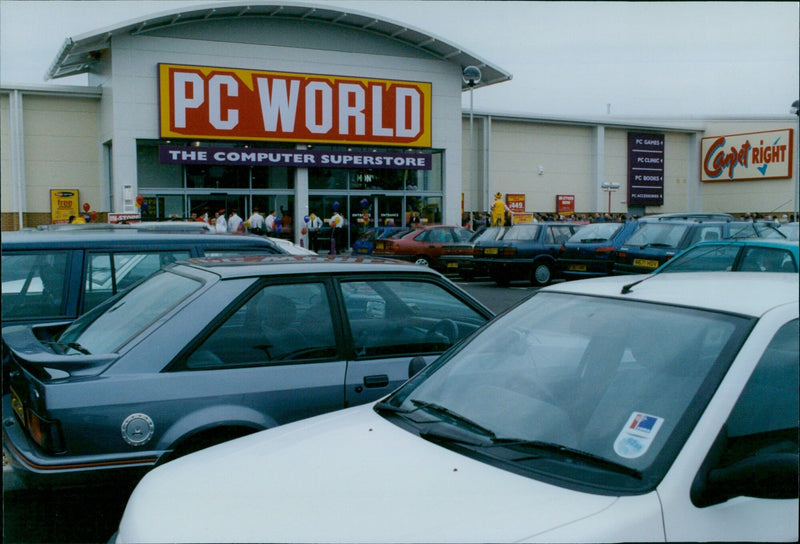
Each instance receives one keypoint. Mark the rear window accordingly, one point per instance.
(658, 235)
(33, 284)
(105, 330)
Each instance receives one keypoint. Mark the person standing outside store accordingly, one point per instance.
(269, 222)
(256, 222)
(234, 222)
(337, 227)
(314, 226)
(499, 211)
(220, 223)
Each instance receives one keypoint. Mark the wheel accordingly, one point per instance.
(422, 260)
(542, 274)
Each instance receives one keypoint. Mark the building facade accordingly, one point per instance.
(307, 110)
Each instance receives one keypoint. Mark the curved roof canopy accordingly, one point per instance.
(79, 53)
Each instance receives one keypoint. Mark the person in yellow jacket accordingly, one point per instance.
(499, 210)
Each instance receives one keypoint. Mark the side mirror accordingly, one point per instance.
(764, 476)
(416, 364)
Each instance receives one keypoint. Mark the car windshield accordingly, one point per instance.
(522, 232)
(658, 235)
(106, 330)
(613, 385)
(595, 232)
(489, 233)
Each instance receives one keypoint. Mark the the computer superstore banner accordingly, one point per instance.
(234, 104)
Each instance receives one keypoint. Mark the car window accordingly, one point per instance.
(33, 284)
(706, 233)
(462, 235)
(595, 232)
(405, 317)
(109, 273)
(765, 416)
(767, 259)
(279, 323)
(657, 235)
(558, 234)
(705, 259)
(104, 331)
(522, 232)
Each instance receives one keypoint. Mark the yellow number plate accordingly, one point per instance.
(577, 267)
(452, 265)
(646, 263)
(491, 251)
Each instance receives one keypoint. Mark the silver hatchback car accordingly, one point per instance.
(207, 350)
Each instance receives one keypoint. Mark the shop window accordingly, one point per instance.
(217, 177)
(328, 178)
(274, 177)
(152, 174)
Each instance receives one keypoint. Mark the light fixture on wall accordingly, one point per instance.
(541, 170)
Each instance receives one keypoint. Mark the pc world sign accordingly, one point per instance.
(235, 104)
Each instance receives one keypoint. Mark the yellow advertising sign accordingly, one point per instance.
(63, 204)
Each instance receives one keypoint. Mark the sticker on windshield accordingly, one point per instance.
(637, 435)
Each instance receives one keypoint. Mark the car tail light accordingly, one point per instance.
(621, 254)
(509, 251)
(604, 249)
(45, 432)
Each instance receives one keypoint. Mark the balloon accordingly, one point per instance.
(93, 215)
(336, 206)
(364, 203)
(304, 231)
(139, 200)
(306, 219)
(86, 207)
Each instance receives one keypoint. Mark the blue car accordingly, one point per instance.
(366, 242)
(662, 237)
(752, 255)
(590, 251)
(526, 252)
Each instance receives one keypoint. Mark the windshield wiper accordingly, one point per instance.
(552, 450)
(438, 409)
(655, 244)
(74, 345)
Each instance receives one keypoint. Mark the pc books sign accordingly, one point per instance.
(645, 169)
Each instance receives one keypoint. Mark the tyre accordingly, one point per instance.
(422, 260)
(542, 274)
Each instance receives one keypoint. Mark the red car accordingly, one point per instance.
(423, 245)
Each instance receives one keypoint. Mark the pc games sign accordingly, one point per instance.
(645, 169)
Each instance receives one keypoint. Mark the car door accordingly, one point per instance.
(746, 488)
(391, 321)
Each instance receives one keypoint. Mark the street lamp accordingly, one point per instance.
(609, 188)
(471, 76)
(796, 110)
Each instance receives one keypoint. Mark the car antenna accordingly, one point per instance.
(627, 288)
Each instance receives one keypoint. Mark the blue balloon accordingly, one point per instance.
(306, 219)
(336, 206)
(364, 203)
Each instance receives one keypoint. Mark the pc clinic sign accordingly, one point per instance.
(226, 103)
(751, 156)
(645, 169)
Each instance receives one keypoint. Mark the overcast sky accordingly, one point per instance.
(675, 59)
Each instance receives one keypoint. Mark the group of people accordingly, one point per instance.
(256, 223)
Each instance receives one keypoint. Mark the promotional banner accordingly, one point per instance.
(516, 202)
(63, 204)
(307, 158)
(645, 169)
(565, 204)
(237, 104)
(751, 156)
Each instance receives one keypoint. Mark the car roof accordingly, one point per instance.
(260, 265)
(693, 217)
(81, 237)
(778, 243)
(756, 292)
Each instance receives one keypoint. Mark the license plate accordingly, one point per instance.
(378, 245)
(361, 250)
(452, 265)
(16, 404)
(577, 267)
(491, 251)
(647, 263)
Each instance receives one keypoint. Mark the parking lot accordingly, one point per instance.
(91, 515)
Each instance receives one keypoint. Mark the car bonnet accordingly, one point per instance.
(346, 476)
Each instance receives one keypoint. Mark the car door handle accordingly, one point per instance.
(379, 380)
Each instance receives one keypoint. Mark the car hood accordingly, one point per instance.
(349, 476)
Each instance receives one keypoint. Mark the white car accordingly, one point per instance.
(602, 410)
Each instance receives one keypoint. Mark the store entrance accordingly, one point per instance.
(211, 204)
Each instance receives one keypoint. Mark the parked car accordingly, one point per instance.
(421, 245)
(526, 252)
(457, 257)
(290, 247)
(661, 237)
(366, 242)
(750, 255)
(209, 349)
(791, 230)
(592, 412)
(590, 251)
(56, 274)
